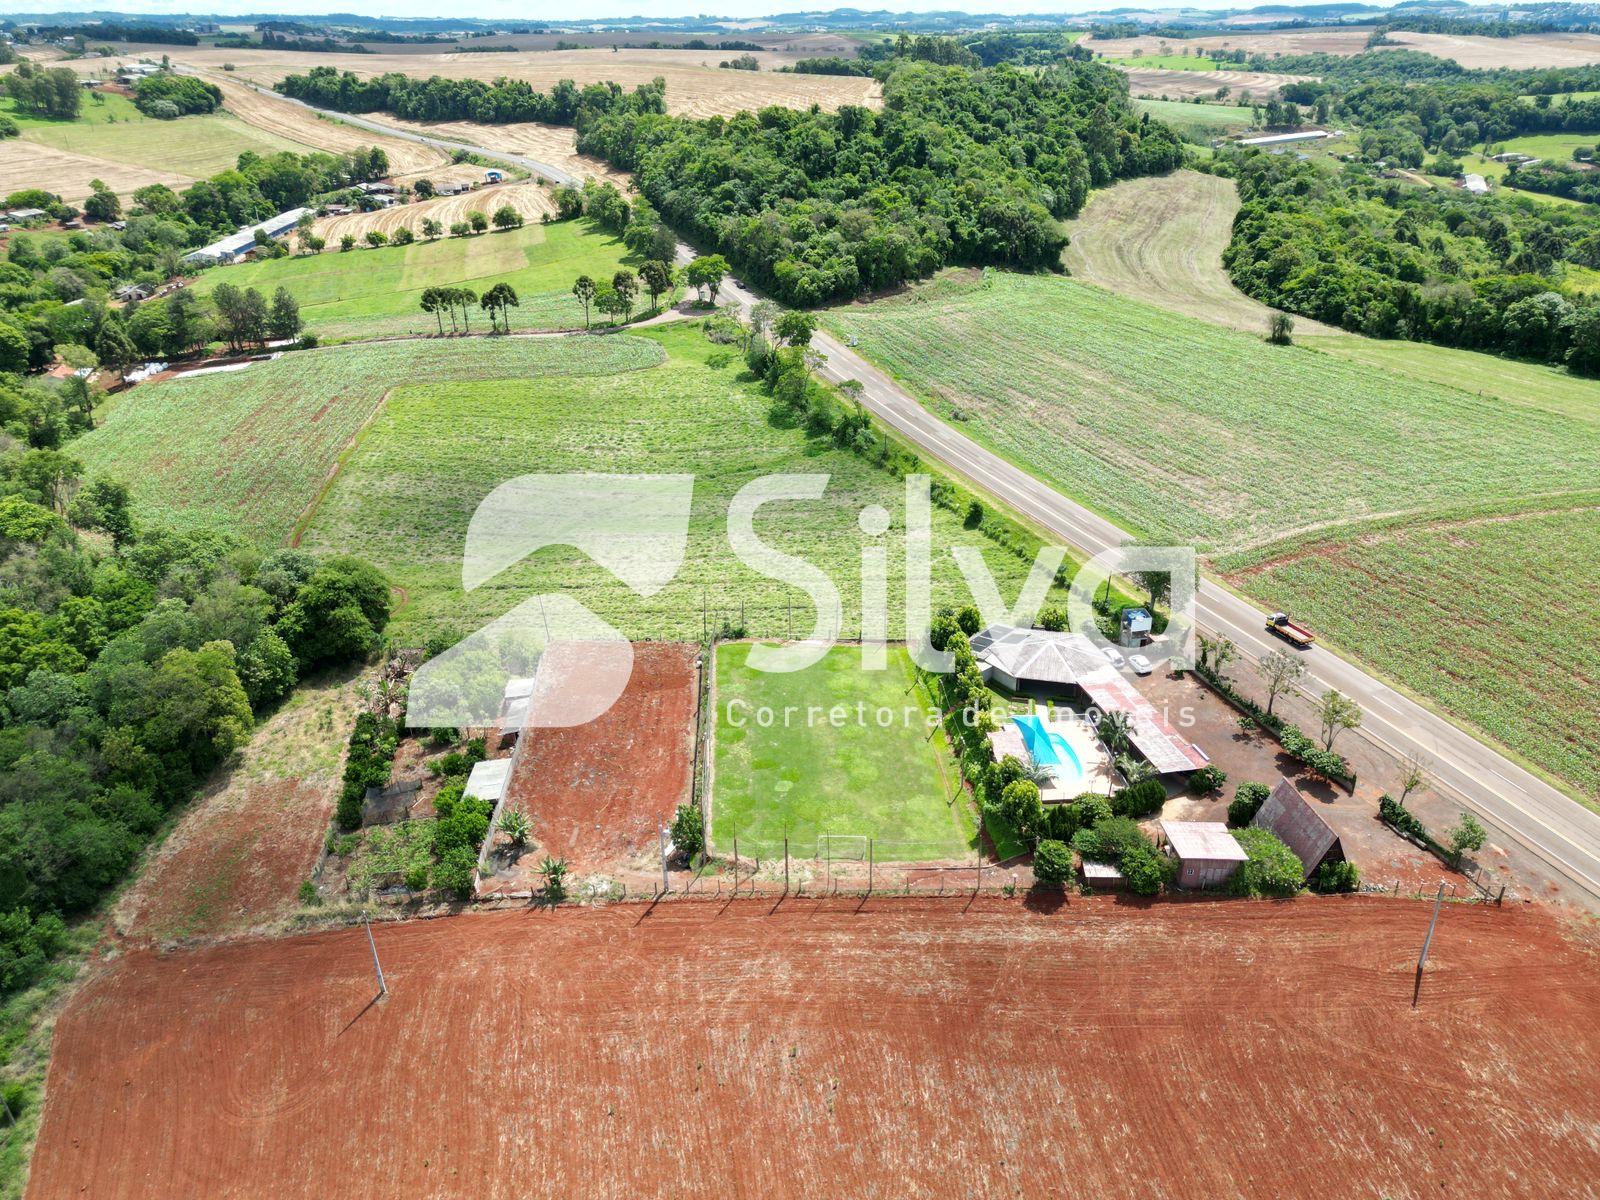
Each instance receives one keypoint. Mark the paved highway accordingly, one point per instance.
(1506, 797)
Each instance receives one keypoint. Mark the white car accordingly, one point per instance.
(1140, 664)
(1114, 656)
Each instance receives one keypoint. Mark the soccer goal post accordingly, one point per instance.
(843, 847)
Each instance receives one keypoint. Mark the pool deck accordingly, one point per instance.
(1099, 774)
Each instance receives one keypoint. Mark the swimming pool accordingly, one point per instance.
(1050, 750)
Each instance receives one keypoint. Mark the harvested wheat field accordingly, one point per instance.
(1184, 85)
(68, 175)
(887, 1048)
(530, 199)
(278, 115)
(554, 145)
(692, 89)
(596, 794)
(1160, 239)
(1301, 41)
(1527, 51)
(239, 855)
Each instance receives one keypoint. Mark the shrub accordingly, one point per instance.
(1247, 801)
(1141, 800)
(1396, 814)
(1052, 863)
(457, 871)
(417, 877)
(1338, 877)
(367, 765)
(1021, 807)
(1272, 868)
(1110, 838)
(689, 831)
(1207, 779)
(1146, 869)
(308, 893)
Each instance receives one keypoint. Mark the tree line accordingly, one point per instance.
(962, 165)
(436, 98)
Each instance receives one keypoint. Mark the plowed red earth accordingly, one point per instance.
(597, 793)
(888, 1048)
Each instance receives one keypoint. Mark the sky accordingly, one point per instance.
(563, 11)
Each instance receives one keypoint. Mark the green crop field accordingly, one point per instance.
(1180, 429)
(199, 146)
(1170, 62)
(249, 450)
(403, 499)
(805, 774)
(1197, 121)
(375, 293)
(1532, 384)
(1490, 615)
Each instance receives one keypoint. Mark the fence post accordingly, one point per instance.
(870, 857)
(786, 865)
(735, 865)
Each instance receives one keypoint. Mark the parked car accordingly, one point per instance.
(1140, 664)
(1114, 657)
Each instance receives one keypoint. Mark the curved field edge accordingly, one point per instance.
(247, 451)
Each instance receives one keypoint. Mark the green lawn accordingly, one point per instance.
(1217, 116)
(199, 146)
(1183, 430)
(805, 775)
(373, 293)
(437, 448)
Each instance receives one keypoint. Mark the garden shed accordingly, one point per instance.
(1288, 814)
(1207, 853)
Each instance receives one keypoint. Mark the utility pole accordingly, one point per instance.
(1427, 943)
(383, 988)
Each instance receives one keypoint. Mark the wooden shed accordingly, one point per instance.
(1206, 852)
(1288, 814)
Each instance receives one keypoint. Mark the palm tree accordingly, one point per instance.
(1115, 731)
(1134, 770)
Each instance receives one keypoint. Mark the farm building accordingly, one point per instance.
(488, 779)
(1101, 876)
(18, 215)
(493, 176)
(454, 187)
(1286, 813)
(1206, 852)
(1286, 139)
(1476, 184)
(236, 245)
(514, 710)
(1040, 662)
(376, 189)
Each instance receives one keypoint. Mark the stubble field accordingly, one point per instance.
(886, 1048)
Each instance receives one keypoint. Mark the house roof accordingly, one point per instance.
(1208, 840)
(1286, 813)
(1059, 659)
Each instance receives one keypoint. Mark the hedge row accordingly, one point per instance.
(368, 765)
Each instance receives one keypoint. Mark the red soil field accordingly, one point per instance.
(886, 1048)
(595, 794)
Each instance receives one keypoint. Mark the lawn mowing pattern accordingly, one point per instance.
(1179, 429)
(802, 776)
(247, 451)
(1492, 616)
(1198, 122)
(375, 293)
(404, 498)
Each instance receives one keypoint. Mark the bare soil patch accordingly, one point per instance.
(1184, 85)
(1528, 51)
(887, 1048)
(237, 858)
(597, 794)
(1306, 41)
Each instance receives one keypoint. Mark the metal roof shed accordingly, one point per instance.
(1286, 813)
(488, 779)
(1206, 852)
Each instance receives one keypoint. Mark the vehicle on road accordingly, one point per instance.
(1114, 656)
(1290, 631)
(1140, 664)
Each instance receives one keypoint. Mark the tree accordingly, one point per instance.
(283, 319)
(795, 327)
(1280, 671)
(502, 297)
(431, 229)
(115, 349)
(478, 221)
(1413, 775)
(13, 348)
(376, 238)
(430, 302)
(626, 286)
(1247, 801)
(608, 301)
(584, 289)
(1216, 653)
(1115, 731)
(347, 242)
(102, 204)
(656, 276)
(705, 274)
(1337, 712)
(1467, 834)
(424, 188)
(1280, 329)
(1271, 869)
(1052, 863)
(1021, 807)
(506, 217)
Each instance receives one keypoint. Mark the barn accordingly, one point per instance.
(1288, 814)
(1206, 852)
